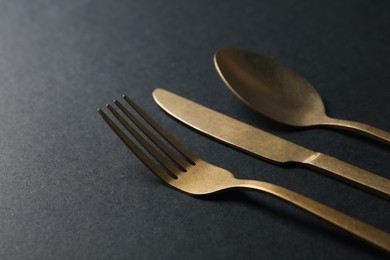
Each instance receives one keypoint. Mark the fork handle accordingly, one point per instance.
(356, 227)
(353, 175)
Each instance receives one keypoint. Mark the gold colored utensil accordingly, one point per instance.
(265, 145)
(186, 172)
(279, 93)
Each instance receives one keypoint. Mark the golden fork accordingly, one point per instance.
(184, 171)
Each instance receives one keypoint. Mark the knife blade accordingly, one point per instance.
(265, 145)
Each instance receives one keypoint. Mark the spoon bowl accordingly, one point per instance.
(279, 93)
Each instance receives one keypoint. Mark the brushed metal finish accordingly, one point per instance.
(265, 145)
(202, 178)
(279, 93)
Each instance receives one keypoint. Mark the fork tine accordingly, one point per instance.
(181, 148)
(153, 151)
(163, 147)
(137, 151)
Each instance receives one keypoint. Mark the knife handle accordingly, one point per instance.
(351, 174)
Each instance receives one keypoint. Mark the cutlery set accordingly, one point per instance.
(272, 90)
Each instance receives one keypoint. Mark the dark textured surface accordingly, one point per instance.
(70, 189)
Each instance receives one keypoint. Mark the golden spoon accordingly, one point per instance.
(279, 93)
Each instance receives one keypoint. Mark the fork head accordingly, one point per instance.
(169, 159)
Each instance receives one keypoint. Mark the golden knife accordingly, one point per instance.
(265, 145)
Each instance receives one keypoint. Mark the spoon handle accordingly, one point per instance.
(360, 128)
(351, 174)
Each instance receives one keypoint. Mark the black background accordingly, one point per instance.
(70, 189)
